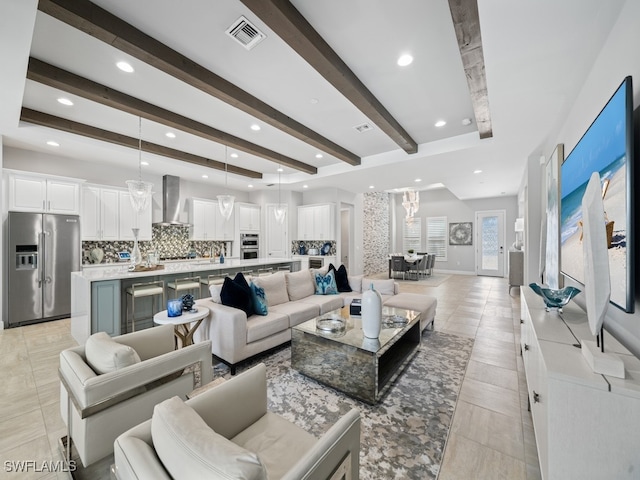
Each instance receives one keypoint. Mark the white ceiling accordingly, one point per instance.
(536, 57)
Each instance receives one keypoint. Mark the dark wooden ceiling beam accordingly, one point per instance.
(44, 119)
(287, 22)
(52, 76)
(99, 23)
(466, 22)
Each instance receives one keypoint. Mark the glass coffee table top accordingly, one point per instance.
(394, 320)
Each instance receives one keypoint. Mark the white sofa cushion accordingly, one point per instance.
(355, 282)
(189, 448)
(275, 288)
(300, 284)
(105, 355)
(384, 287)
(214, 291)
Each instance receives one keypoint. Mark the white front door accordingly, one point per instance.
(277, 235)
(490, 241)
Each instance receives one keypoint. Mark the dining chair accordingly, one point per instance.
(416, 267)
(398, 265)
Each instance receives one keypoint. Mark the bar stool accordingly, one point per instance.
(284, 268)
(142, 290)
(187, 284)
(246, 273)
(216, 279)
(264, 271)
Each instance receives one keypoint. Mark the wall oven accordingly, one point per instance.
(249, 246)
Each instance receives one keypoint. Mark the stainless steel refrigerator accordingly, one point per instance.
(43, 251)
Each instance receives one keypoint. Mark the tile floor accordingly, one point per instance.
(491, 435)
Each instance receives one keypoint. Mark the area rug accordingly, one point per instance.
(404, 435)
(433, 280)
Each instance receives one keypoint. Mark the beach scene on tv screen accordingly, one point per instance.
(602, 149)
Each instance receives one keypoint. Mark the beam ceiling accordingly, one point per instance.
(51, 121)
(97, 22)
(466, 22)
(52, 76)
(287, 22)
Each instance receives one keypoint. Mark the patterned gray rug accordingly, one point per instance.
(404, 435)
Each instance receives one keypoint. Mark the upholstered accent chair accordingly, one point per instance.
(110, 384)
(227, 432)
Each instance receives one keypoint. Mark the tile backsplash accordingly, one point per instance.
(170, 241)
(295, 246)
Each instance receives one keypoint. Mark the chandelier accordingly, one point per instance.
(411, 203)
(225, 202)
(139, 191)
(280, 211)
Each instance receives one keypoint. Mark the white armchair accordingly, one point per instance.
(228, 430)
(98, 407)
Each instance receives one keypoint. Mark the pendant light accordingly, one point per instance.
(281, 210)
(225, 202)
(139, 192)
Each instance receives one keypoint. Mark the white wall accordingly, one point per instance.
(617, 59)
(3, 238)
(441, 202)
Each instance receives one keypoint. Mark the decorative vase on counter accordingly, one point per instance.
(136, 256)
(371, 313)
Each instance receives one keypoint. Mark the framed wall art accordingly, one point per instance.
(461, 233)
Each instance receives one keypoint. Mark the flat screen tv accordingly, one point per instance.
(606, 148)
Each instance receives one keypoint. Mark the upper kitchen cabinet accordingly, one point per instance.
(202, 216)
(130, 219)
(225, 229)
(248, 218)
(316, 222)
(100, 213)
(42, 193)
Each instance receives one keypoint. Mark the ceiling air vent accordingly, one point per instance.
(365, 127)
(245, 33)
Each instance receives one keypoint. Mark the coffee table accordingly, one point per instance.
(183, 329)
(358, 366)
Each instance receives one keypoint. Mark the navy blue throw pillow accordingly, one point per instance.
(342, 279)
(236, 293)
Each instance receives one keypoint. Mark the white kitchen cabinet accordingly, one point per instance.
(277, 234)
(225, 229)
(99, 219)
(316, 222)
(130, 219)
(39, 193)
(203, 219)
(585, 423)
(248, 218)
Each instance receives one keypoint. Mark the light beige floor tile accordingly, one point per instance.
(21, 429)
(18, 402)
(492, 397)
(496, 334)
(459, 329)
(465, 459)
(501, 377)
(464, 320)
(488, 428)
(49, 393)
(36, 450)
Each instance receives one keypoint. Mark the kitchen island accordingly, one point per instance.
(98, 293)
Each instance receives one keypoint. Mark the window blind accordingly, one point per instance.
(437, 237)
(412, 235)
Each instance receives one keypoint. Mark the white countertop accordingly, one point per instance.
(119, 271)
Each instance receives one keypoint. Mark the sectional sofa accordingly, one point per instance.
(291, 299)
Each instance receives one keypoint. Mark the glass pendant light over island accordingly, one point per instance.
(139, 191)
(225, 202)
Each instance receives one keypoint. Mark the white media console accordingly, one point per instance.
(587, 425)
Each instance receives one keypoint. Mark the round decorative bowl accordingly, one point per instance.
(332, 323)
(554, 298)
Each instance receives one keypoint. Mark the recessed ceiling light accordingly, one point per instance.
(371, 186)
(280, 169)
(405, 60)
(440, 123)
(170, 135)
(466, 121)
(305, 186)
(65, 101)
(318, 155)
(477, 171)
(417, 180)
(250, 185)
(205, 176)
(314, 101)
(255, 127)
(503, 193)
(125, 67)
(53, 143)
(145, 163)
(234, 155)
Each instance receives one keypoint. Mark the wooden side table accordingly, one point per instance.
(183, 329)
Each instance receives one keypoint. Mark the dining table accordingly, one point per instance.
(408, 260)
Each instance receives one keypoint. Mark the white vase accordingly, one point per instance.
(371, 313)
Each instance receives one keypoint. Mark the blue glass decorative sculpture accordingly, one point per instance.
(554, 298)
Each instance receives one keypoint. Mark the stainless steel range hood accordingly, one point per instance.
(171, 202)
